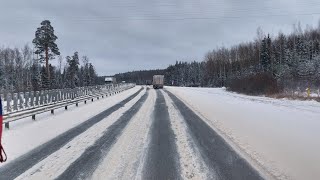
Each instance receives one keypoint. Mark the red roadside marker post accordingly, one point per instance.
(3, 155)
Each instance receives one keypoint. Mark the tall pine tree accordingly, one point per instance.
(45, 45)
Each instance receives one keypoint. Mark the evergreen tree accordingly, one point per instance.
(45, 45)
(35, 76)
(72, 70)
(45, 83)
(92, 75)
(265, 55)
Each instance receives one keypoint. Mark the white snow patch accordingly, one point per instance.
(123, 159)
(281, 135)
(25, 134)
(192, 165)
(55, 164)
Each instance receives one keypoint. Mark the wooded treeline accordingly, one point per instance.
(29, 69)
(21, 71)
(265, 65)
(138, 77)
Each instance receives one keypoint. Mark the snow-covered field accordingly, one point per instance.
(24, 135)
(281, 136)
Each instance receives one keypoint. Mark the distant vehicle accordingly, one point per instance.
(110, 80)
(123, 81)
(148, 82)
(158, 81)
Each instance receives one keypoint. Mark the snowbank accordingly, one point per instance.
(281, 135)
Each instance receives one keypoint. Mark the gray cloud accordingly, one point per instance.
(122, 36)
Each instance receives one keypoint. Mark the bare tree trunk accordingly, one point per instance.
(47, 65)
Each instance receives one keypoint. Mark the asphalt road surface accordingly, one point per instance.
(155, 135)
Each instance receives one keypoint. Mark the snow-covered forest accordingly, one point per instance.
(20, 71)
(265, 65)
(25, 69)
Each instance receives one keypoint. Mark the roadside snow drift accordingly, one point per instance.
(279, 135)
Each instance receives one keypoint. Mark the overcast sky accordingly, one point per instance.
(126, 35)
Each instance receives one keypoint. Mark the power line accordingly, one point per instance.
(159, 18)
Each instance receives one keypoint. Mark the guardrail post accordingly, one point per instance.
(70, 94)
(41, 97)
(64, 94)
(73, 93)
(49, 96)
(26, 99)
(21, 100)
(31, 99)
(37, 98)
(45, 97)
(58, 95)
(15, 101)
(6, 125)
(77, 92)
(67, 94)
(53, 96)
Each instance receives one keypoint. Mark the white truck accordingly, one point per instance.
(110, 80)
(158, 81)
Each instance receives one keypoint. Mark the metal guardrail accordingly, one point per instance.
(28, 104)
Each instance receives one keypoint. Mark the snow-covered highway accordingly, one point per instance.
(142, 133)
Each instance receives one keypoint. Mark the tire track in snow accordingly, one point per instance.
(217, 153)
(26, 161)
(85, 165)
(59, 161)
(125, 156)
(161, 161)
(191, 163)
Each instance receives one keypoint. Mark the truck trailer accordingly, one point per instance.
(158, 81)
(110, 80)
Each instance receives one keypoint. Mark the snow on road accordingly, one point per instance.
(125, 157)
(25, 134)
(192, 165)
(132, 135)
(280, 135)
(52, 166)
